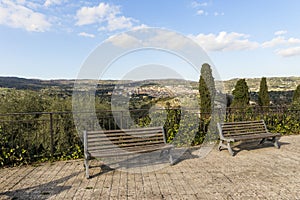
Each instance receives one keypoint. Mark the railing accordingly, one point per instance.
(48, 134)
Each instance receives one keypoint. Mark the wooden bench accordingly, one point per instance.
(245, 130)
(125, 142)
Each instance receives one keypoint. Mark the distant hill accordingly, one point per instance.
(33, 84)
(274, 84)
(280, 88)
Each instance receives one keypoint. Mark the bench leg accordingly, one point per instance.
(275, 142)
(86, 154)
(221, 145)
(162, 153)
(262, 141)
(171, 159)
(230, 149)
(86, 164)
(225, 146)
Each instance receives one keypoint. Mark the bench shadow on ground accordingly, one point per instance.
(252, 145)
(142, 162)
(42, 191)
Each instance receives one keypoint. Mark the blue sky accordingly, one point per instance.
(50, 39)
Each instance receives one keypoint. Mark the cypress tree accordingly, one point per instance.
(207, 90)
(205, 98)
(207, 93)
(240, 94)
(206, 73)
(296, 96)
(263, 95)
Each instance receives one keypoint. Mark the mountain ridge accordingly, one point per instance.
(274, 83)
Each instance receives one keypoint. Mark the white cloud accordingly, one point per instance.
(121, 22)
(84, 34)
(16, 15)
(274, 42)
(286, 47)
(196, 4)
(224, 41)
(203, 4)
(280, 40)
(289, 52)
(200, 12)
(124, 40)
(218, 14)
(52, 2)
(109, 17)
(167, 40)
(96, 14)
(281, 32)
(140, 27)
(157, 38)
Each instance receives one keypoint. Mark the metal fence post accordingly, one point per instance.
(51, 135)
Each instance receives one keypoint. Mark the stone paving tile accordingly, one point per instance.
(254, 173)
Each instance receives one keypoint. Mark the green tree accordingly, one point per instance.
(263, 95)
(207, 94)
(206, 73)
(207, 91)
(205, 99)
(15, 101)
(172, 122)
(240, 94)
(296, 98)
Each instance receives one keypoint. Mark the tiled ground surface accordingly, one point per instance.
(254, 173)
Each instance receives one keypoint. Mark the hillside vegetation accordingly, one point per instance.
(280, 88)
(274, 84)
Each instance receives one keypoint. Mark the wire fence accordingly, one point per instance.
(48, 134)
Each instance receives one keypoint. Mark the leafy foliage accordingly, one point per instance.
(263, 95)
(205, 99)
(207, 93)
(206, 73)
(296, 98)
(172, 122)
(26, 137)
(241, 94)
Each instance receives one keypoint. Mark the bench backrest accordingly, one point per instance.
(242, 128)
(125, 138)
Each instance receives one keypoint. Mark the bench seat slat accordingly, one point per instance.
(232, 128)
(128, 151)
(99, 135)
(137, 131)
(248, 124)
(102, 136)
(242, 122)
(243, 133)
(252, 136)
(125, 139)
(144, 144)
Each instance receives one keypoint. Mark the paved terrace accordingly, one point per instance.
(254, 173)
